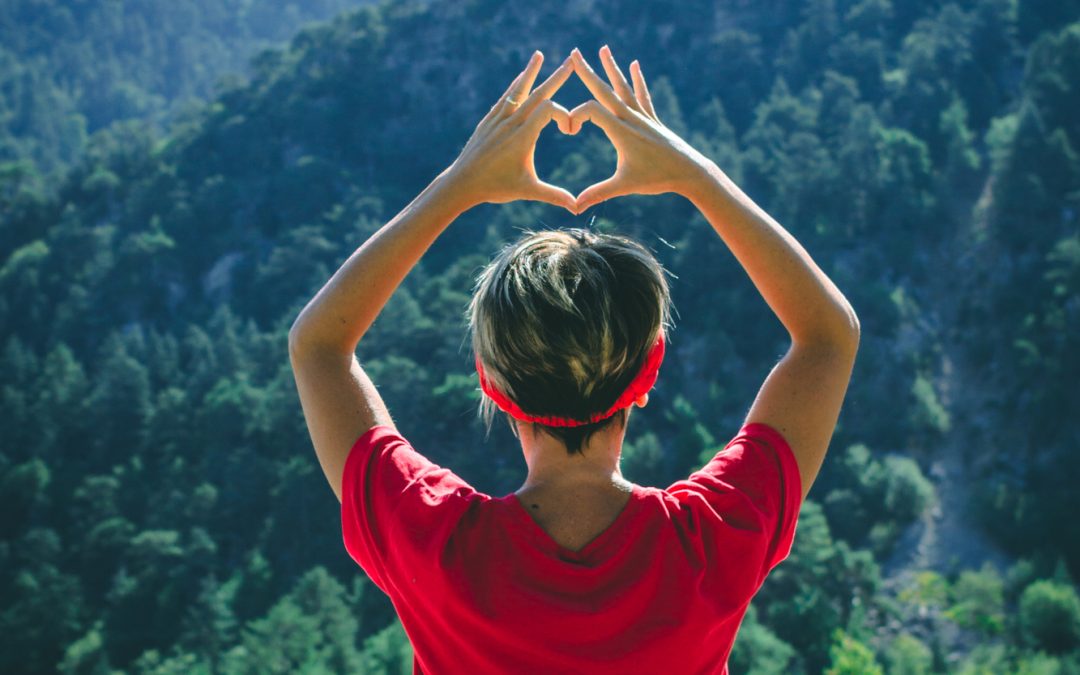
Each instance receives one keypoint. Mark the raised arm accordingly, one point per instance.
(802, 396)
(496, 165)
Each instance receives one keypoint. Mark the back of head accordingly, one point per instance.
(563, 320)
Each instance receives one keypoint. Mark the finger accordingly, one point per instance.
(594, 194)
(531, 71)
(562, 119)
(641, 90)
(503, 106)
(500, 105)
(545, 192)
(548, 88)
(593, 111)
(545, 111)
(617, 79)
(596, 86)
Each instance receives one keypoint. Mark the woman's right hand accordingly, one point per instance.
(652, 159)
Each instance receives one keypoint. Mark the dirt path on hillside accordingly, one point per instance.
(948, 537)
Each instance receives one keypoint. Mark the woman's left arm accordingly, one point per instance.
(339, 401)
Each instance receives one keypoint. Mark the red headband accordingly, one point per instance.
(641, 384)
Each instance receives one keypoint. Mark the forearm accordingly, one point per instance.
(808, 304)
(344, 309)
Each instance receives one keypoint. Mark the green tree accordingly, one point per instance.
(962, 161)
(812, 593)
(388, 652)
(60, 406)
(978, 601)
(907, 655)
(121, 399)
(23, 489)
(43, 606)
(851, 657)
(1050, 616)
(758, 651)
(209, 625)
(86, 655)
(642, 459)
(309, 630)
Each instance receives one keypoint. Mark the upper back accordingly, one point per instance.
(481, 586)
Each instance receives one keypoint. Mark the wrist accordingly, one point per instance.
(451, 187)
(703, 179)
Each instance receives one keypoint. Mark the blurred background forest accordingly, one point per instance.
(178, 178)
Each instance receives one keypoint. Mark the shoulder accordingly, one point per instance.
(757, 462)
(383, 460)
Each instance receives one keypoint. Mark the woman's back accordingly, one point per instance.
(481, 586)
(574, 516)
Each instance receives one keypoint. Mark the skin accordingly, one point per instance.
(576, 497)
(596, 466)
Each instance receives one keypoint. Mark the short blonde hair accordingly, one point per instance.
(562, 321)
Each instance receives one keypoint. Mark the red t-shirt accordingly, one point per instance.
(480, 587)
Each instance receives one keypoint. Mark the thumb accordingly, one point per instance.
(544, 112)
(546, 192)
(593, 111)
(598, 192)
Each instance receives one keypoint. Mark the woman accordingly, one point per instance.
(578, 570)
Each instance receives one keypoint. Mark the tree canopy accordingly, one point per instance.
(163, 511)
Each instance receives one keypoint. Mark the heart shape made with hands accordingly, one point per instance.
(570, 123)
(650, 159)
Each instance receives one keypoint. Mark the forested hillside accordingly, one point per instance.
(68, 69)
(163, 510)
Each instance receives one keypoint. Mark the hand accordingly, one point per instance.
(652, 159)
(496, 164)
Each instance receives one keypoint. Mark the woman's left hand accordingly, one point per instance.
(496, 164)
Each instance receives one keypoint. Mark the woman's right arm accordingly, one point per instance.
(802, 395)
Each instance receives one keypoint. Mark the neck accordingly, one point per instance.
(550, 466)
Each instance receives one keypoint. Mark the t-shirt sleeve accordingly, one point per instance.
(745, 503)
(397, 507)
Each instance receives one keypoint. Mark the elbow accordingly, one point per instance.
(296, 337)
(306, 340)
(852, 321)
(853, 331)
(840, 333)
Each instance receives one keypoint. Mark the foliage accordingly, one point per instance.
(978, 601)
(908, 656)
(851, 657)
(68, 70)
(869, 500)
(1030, 354)
(758, 651)
(1050, 616)
(155, 471)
